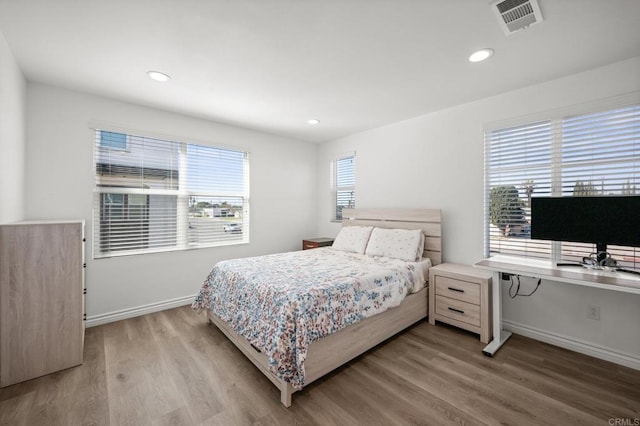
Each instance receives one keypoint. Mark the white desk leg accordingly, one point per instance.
(499, 335)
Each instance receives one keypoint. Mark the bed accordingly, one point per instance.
(320, 308)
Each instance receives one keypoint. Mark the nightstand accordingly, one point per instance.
(460, 295)
(312, 243)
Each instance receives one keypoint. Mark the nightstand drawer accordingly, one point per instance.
(460, 311)
(458, 289)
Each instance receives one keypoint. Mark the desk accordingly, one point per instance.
(606, 280)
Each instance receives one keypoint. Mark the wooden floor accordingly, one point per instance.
(171, 368)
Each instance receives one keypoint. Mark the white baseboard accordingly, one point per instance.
(100, 319)
(576, 345)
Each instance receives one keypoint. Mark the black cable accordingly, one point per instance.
(629, 271)
(534, 290)
(513, 296)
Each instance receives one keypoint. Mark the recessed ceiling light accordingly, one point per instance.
(481, 55)
(158, 76)
(313, 121)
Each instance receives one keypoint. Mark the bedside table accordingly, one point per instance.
(312, 243)
(460, 295)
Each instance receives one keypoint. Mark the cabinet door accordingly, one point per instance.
(41, 327)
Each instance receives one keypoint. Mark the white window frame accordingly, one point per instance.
(182, 195)
(336, 189)
(556, 166)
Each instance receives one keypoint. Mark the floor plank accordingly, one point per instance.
(172, 368)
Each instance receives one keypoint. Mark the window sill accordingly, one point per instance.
(168, 249)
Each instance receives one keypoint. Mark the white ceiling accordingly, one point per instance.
(271, 65)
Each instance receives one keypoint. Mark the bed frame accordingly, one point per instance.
(332, 351)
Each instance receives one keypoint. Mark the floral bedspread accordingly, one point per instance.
(283, 302)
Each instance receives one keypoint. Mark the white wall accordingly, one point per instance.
(12, 136)
(436, 160)
(60, 178)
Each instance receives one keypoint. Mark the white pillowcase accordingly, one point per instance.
(403, 244)
(420, 251)
(352, 239)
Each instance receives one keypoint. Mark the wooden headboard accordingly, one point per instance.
(429, 220)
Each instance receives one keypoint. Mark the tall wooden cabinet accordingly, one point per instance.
(41, 298)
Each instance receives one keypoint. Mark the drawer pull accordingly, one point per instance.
(309, 246)
(455, 289)
(456, 310)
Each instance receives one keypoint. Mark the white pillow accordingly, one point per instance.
(420, 247)
(403, 244)
(353, 238)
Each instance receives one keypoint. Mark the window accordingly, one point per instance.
(579, 155)
(343, 185)
(113, 140)
(156, 195)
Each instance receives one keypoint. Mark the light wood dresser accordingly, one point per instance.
(41, 298)
(460, 295)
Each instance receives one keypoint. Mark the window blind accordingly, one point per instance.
(574, 155)
(157, 195)
(344, 187)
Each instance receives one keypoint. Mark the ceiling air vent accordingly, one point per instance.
(516, 15)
